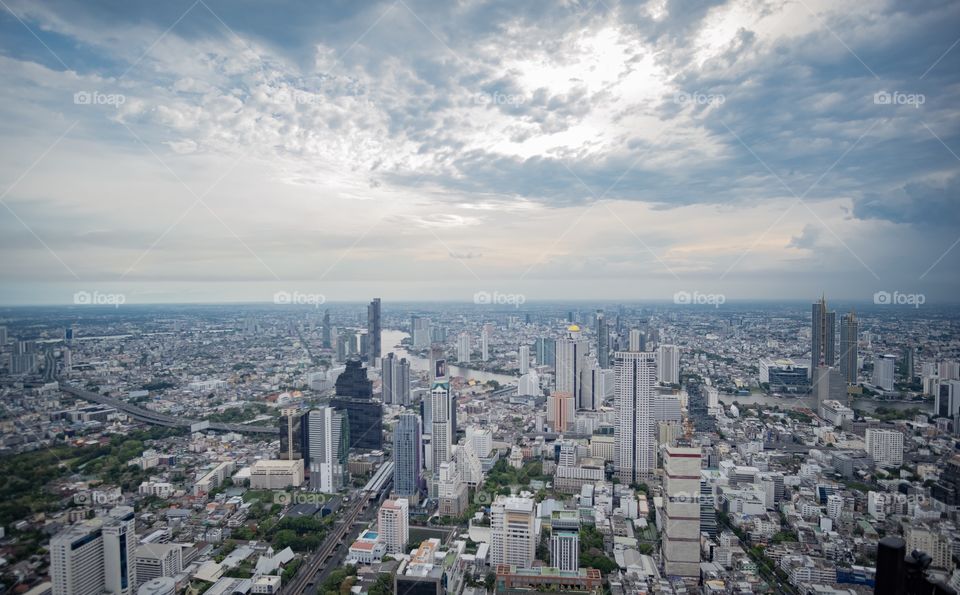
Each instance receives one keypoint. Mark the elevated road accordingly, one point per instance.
(342, 530)
(161, 419)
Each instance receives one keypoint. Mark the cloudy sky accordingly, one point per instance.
(213, 150)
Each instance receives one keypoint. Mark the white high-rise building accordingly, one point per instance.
(634, 429)
(76, 560)
(97, 556)
(513, 537)
(327, 451)
(681, 522)
(464, 346)
(565, 540)
(529, 384)
(885, 447)
(485, 336)
(442, 425)
(393, 525)
(523, 358)
(120, 551)
(482, 440)
(883, 371)
(949, 370)
(635, 339)
(668, 364)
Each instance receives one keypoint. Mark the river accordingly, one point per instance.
(390, 339)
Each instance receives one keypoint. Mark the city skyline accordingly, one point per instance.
(207, 152)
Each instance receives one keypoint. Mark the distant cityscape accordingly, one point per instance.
(444, 448)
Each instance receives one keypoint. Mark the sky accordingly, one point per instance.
(208, 150)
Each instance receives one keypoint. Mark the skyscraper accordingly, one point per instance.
(681, 511)
(849, 331)
(393, 525)
(668, 364)
(327, 449)
(407, 457)
(327, 343)
(395, 380)
(634, 429)
(637, 340)
(829, 385)
(464, 347)
(572, 352)
(523, 358)
(565, 540)
(291, 435)
(883, 371)
(96, 556)
(513, 536)
(442, 431)
(546, 349)
(354, 397)
(373, 331)
(823, 335)
(603, 341)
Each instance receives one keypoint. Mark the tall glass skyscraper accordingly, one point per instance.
(823, 335)
(374, 350)
(354, 396)
(407, 456)
(849, 331)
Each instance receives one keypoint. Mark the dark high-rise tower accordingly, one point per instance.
(292, 437)
(849, 330)
(823, 335)
(373, 331)
(354, 396)
(327, 343)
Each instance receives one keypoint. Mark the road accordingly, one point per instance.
(318, 562)
(160, 419)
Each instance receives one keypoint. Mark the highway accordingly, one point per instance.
(342, 530)
(160, 419)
